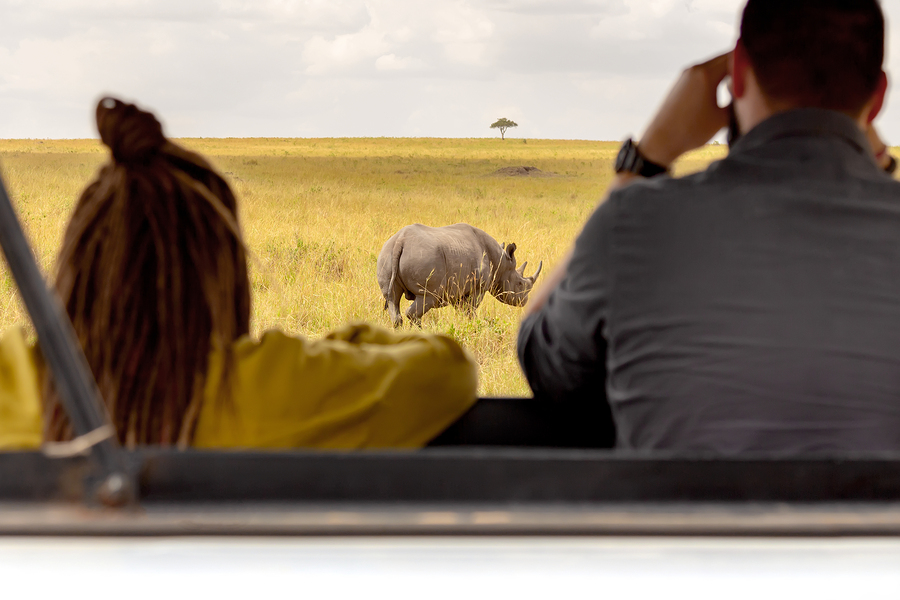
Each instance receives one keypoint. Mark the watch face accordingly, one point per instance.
(626, 157)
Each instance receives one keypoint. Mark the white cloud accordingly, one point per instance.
(392, 62)
(553, 8)
(670, 21)
(571, 68)
(328, 55)
(464, 32)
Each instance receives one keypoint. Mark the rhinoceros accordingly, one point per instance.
(453, 265)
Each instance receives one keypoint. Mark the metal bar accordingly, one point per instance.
(464, 477)
(71, 373)
(321, 520)
(507, 476)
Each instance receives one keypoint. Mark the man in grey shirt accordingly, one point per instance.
(754, 306)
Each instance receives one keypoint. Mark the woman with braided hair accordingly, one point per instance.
(153, 274)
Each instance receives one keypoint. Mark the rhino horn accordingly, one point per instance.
(534, 277)
(521, 270)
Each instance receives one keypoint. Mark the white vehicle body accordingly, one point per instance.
(450, 568)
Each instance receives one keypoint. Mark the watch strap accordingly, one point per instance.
(630, 160)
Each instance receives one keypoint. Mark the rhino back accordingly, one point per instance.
(433, 256)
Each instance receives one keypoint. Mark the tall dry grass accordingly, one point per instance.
(317, 211)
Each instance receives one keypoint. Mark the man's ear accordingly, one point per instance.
(878, 97)
(739, 65)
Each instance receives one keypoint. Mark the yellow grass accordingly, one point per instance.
(316, 212)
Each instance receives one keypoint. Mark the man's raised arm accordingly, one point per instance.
(561, 345)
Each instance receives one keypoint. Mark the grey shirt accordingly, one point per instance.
(752, 307)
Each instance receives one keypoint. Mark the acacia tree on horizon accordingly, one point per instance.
(503, 124)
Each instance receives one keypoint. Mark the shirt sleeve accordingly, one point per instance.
(20, 404)
(359, 387)
(561, 347)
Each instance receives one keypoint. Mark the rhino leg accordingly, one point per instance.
(394, 314)
(393, 307)
(471, 303)
(420, 306)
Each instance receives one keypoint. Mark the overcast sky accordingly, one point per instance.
(583, 69)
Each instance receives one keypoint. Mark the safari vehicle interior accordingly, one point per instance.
(92, 486)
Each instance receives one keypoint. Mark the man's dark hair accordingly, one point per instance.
(815, 53)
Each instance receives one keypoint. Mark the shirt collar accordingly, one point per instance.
(804, 122)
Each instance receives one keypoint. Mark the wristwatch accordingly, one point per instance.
(630, 160)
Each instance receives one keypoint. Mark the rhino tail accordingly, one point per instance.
(396, 251)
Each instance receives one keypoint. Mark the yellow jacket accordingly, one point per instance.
(360, 387)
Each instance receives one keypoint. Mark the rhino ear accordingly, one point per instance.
(510, 252)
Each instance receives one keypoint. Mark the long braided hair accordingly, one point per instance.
(153, 274)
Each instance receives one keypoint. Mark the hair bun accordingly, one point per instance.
(132, 134)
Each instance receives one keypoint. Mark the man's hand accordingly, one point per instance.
(689, 116)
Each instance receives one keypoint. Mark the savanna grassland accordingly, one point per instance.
(316, 212)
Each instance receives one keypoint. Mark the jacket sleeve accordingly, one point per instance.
(20, 404)
(359, 387)
(562, 348)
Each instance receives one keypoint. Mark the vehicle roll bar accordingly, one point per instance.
(78, 392)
